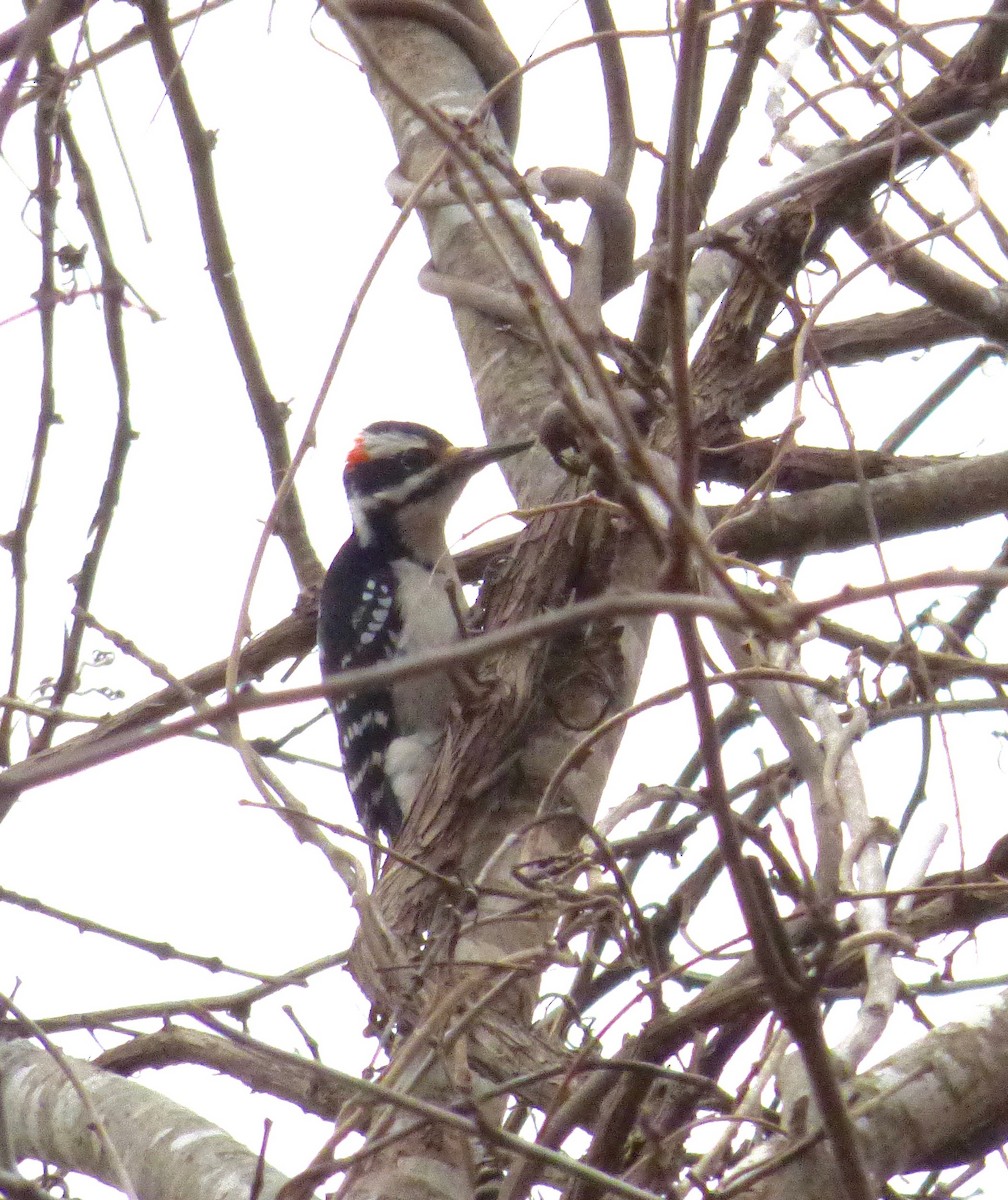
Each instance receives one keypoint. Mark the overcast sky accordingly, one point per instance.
(156, 843)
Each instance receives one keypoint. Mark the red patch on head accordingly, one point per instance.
(358, 452)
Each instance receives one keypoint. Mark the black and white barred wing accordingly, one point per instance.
(360, 627)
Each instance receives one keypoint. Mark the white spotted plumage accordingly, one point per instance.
(392, 592)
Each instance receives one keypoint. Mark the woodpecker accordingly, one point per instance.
(392, 591)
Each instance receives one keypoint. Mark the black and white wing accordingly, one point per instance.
(359, 626)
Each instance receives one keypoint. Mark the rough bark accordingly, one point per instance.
(939, 1102)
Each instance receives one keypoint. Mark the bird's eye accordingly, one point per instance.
(412, 461)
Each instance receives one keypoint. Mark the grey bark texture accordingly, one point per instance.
(146, 1142)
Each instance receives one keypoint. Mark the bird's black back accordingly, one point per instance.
(359, 627)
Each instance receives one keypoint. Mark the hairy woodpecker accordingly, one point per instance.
(393, 591)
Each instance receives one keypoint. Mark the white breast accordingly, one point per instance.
(429, 607)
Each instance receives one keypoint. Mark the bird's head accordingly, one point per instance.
(405, 477)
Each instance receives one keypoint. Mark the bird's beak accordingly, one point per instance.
(467, 460)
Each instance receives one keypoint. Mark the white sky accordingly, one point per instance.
(156, 842)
